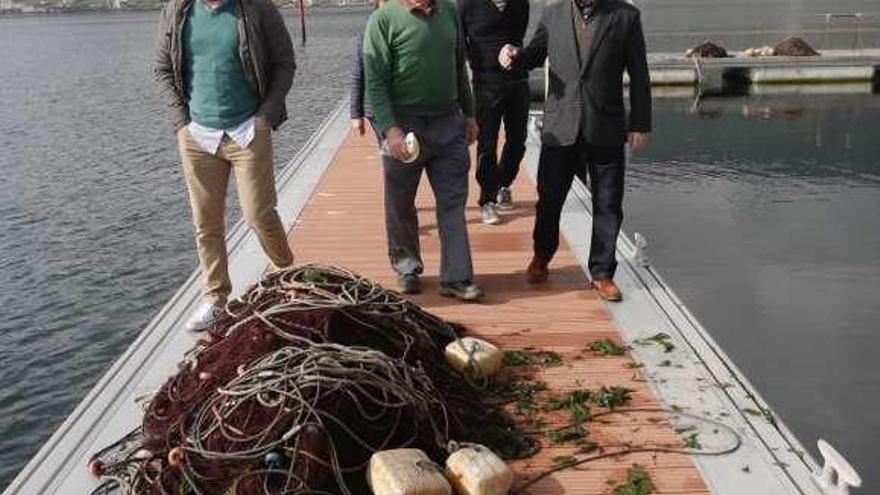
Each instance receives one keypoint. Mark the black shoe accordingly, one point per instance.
(505, 199)
(409, 283)
(464, 291)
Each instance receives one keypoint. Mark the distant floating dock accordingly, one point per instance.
(731, 74)
(718, 75)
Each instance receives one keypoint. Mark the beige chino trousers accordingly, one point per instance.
(207, 178)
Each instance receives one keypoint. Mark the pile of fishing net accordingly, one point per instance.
(707, 49)
(794, 47)
(313, 371)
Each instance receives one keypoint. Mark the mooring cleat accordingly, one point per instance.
(837, 475)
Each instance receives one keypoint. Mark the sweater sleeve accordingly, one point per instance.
(535, 53)
(357, 80)
(378, 68)
(465, 95)
(523, 20)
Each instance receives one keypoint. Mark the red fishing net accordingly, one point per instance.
(314, 370)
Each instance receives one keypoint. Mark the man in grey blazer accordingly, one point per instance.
(589, 43)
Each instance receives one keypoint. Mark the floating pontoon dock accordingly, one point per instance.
(331, 196)
(717, 75)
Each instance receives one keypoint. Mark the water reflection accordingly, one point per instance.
(817, 138)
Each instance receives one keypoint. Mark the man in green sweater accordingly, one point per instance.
(224, 68)
(416, 82)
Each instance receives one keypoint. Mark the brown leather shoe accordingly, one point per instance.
(537, 271)
(607, 289)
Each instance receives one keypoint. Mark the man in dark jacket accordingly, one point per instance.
(590, 43)
(224, 68)
(500, 95)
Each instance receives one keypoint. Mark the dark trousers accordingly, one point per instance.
(444, 159)
(558, 166)
(509, 104)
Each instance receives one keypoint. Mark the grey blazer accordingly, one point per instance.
(588, 96)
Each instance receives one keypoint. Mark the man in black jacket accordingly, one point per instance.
(500, 95)
(590, 43)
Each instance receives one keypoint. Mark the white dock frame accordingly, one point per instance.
(704, 381)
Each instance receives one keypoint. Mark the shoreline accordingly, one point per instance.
(56, 11)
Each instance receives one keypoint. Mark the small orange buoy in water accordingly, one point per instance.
(175, 457)
(96, 468)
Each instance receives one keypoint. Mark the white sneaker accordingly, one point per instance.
(206, 316)
(489, 215)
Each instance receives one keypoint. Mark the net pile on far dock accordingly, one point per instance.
(788, 47)
(314, 370)
(707, 49)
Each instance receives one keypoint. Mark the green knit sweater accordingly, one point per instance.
(415, 64)
(219, 94)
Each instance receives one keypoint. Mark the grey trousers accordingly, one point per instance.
(444, 158)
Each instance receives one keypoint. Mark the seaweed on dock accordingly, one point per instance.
(638, 482)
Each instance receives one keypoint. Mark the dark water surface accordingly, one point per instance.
(95, 230)
(766, 227)
(762, 214)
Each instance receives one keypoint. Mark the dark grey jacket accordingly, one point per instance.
(588, 96)
(265, 50)
(359, 105)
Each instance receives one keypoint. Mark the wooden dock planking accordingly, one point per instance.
(343, 225)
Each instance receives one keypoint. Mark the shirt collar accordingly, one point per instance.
(586, 7)
(426, 7)
(219, 5)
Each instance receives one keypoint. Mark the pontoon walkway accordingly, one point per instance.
(331, 195)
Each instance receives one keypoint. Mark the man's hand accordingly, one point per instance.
(507, 55)
(636, 140)
(357, 125)
(473, 130)
(396, 143)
